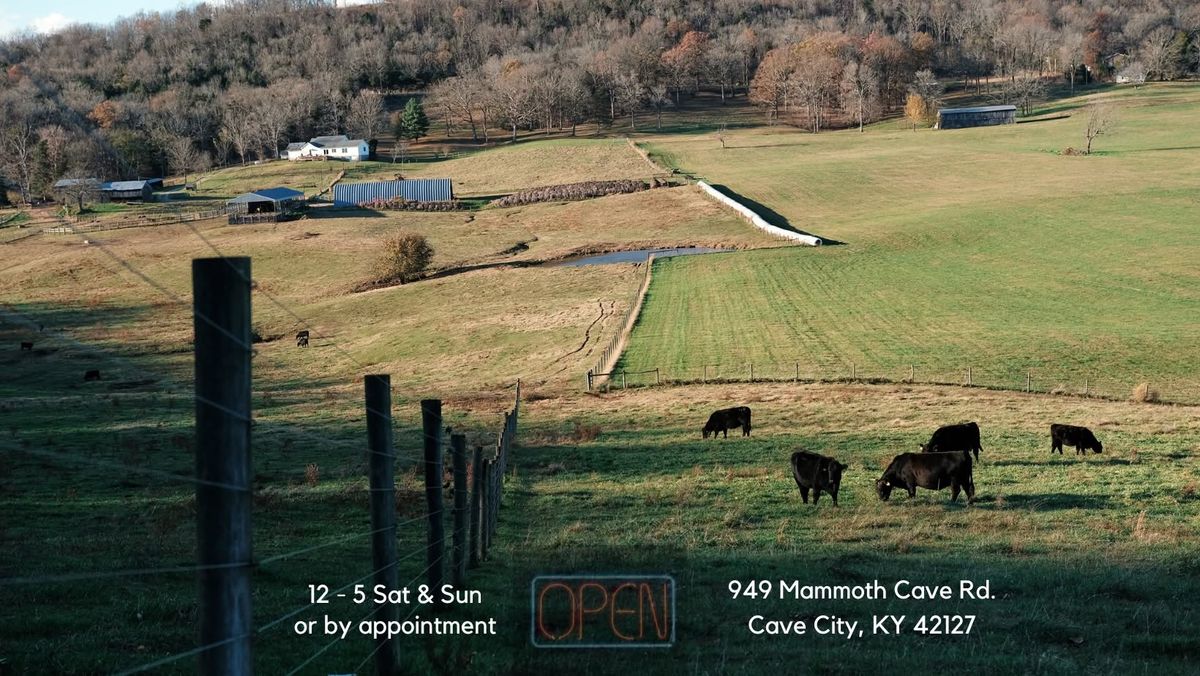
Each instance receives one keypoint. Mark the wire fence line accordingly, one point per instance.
(487, 483)
(1033, 379)
(611, 353)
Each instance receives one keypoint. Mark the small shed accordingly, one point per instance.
(409, 190)
(270, 204)
(981, 116)
(267, 201)
(124, 191)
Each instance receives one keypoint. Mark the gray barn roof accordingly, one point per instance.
(68, 182)
(130, 186)
(267, 195)
(977, 109)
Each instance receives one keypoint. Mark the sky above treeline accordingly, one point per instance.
(47, 16)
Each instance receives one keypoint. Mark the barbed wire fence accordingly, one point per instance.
(224, 480)
(1033, 379)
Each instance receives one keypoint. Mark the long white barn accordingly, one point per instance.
(329, 147)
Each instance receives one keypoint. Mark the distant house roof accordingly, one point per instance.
(299, 145)
(69, 182)
(978, 109)
(323, 141)
(268, 195)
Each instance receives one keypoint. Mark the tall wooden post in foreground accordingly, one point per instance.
(431, 424)
(221, 309)
(380, 447)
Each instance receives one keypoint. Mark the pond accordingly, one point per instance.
(636, 256)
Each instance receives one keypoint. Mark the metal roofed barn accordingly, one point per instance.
(269, 204)
(981, 116)
(411, 190)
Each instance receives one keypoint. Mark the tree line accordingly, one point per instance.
(172, 93)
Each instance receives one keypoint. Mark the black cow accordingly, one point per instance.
(1073, 435)
(26, 347)
(726, 419)
(89, 376)
(934, 471)
(817, 472)
(302, 339)
(962, 437)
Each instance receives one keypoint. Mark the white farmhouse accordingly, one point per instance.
(329, 147)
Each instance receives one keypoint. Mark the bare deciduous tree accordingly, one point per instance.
(77, 189)
(860, 92)
(18, 140)
(367, 116)
(1101, 117)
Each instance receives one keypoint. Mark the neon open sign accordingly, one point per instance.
(602, 611)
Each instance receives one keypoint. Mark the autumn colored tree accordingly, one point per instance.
(772, 80)
(917, 110)
(105, 114)
(686, 60)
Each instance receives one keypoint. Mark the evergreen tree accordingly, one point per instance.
(412, 123)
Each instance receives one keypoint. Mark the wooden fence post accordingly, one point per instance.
(969, 376)
(589, 380)
(1086, 389)
(622, 380)
(431, 424)
(1028, 381)
(797, 379)
(381, 465)
(476, 504)
(912, 373)
(751, 371)
(221, 319)
(485, 531)
(657, 377)
(458, 450)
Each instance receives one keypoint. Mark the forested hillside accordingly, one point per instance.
(174, 92)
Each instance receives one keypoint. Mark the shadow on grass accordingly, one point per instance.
(1042, 502)
(770, 215)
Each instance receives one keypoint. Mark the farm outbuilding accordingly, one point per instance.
(982, 116)
(410, 190)
(123, 191)
(269, 204)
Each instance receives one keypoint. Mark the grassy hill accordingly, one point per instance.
(978, 248)
(1093, 559)
(502, 169)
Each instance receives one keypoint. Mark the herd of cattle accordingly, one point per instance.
(944, 461)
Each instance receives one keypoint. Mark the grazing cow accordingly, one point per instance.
(1073, 435)
(817, 472)
(302, 339)
(934, 471)
(962, 437)
(26, 346)
(726, 419)
(89, 376)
